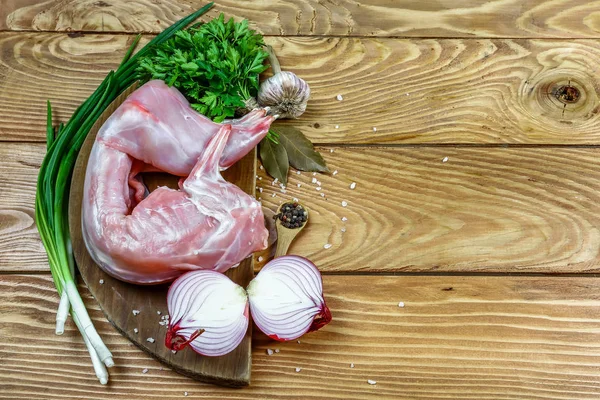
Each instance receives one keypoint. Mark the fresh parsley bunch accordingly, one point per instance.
(215, 65)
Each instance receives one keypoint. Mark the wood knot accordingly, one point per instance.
(561, 96)
(567, 94)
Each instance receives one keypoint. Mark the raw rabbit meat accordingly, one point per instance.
(207, 224)
(156, 125)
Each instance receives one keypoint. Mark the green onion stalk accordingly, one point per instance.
(51, 202)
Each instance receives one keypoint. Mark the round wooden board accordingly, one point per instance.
(118, 299)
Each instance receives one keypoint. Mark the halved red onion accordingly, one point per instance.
(208, 312)
(286, 298)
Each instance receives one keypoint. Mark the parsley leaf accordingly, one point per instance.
(215, 65)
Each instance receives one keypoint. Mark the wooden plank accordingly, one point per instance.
(20, 246)
(412, 91)
(456, 338)
(414, 18)
(512, 210)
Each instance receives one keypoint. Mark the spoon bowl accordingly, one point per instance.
(286, 234)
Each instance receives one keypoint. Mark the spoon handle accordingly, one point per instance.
(284, 239)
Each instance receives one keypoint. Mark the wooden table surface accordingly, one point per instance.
(477, 201)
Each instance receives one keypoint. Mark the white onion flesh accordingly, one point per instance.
(286, 298)
(209, 311)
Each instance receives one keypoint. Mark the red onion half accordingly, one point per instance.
(286, 298)
(208, 312)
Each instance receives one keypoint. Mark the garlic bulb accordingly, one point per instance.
(285, 93)
(208, 312)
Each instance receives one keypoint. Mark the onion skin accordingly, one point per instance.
(208, 312)
(286, 298)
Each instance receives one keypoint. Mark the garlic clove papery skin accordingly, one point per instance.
(286, 298)
(285, 93)
(208, 312)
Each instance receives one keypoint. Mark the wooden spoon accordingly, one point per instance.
(285, 235)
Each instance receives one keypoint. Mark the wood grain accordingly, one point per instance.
(512, 210)
(20, 246)
(412, 91)
(456, 338)
(413, 18)
(450, 209)
(232, 369)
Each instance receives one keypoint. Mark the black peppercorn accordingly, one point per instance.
(292, 215)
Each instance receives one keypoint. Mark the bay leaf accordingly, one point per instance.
(275, 159)
(301, 152)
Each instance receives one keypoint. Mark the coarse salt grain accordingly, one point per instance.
(337, 127)
(158, 312)
(274, 194)
(299, 184)
(445, 159)
(135, 330)
(145, 371)
(295, 199)
(260, 178)
(331, 150)
(185, 393)
(101, 281)
(260, 190)
(260, 258)
(174, 351)
(270, 352)
(151, 340)
(314, 180)
(335, 172)
(318, 183)
(343, 230)
(261, 167)
(352, 365)
(344, 203)
(318, 188)
(339, 97)
(314, 174)
(298, 342)
(352, 185)
(371, 382)
(374, 129)
(298, 172)
(322, 194)
(298, 369)
(344, 219)
(327, 246)
(276, 350)
(135, 312)
(401, 304)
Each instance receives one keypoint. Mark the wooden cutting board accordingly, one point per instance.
(117, 299)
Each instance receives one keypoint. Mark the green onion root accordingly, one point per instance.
(64, 305)
(63, 312)
(99, 367)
